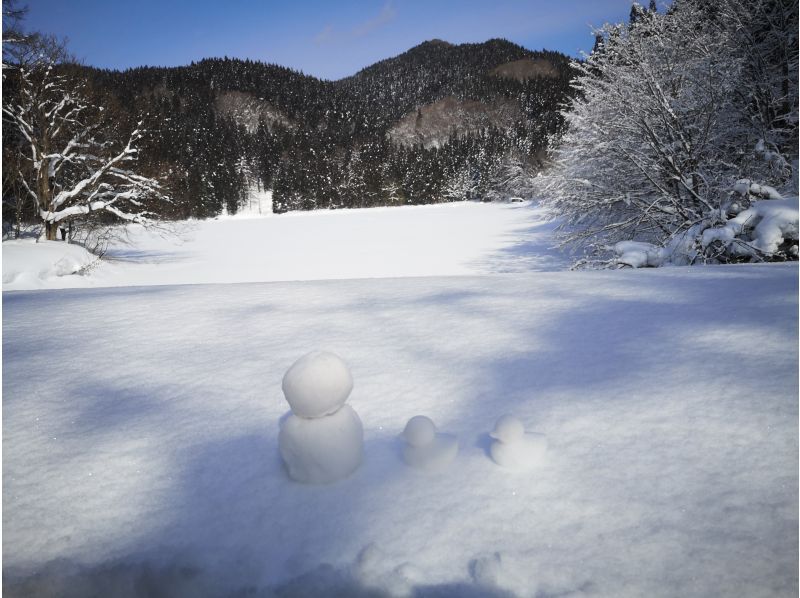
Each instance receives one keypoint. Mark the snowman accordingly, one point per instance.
(426, 448)
(513, 447)
(322, 440)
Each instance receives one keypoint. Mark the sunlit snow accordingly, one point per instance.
(141, 423)
(433, 240)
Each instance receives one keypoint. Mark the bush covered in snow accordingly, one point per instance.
(767, 230)
(681, 137)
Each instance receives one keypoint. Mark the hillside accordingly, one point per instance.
(219, 127)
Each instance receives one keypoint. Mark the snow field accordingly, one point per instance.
(434, 240)
(145, 456)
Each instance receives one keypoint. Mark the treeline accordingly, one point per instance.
(323, 144)
(682, 141)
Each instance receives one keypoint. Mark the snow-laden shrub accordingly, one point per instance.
(767, 230)
(672, 112)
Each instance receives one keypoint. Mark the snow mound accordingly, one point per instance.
(508, 429)
(322, 450)
(523, 454)
(317, 384)
(426, 449)
(499, 571)
(25, 261)
(419, 431)
(513, 448)
(638, 254)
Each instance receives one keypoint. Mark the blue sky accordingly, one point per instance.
(326, 39)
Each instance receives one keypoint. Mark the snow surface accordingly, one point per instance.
(140, 433)
(434, 240)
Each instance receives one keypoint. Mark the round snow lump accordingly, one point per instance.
(317, 384)
(508, 429)
(419, 431)
(322, 450)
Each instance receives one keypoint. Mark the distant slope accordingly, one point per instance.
(220, 126)
(436, 69)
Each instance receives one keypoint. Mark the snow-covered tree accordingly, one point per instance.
(667, 120)
(458, 184)
(67, 167)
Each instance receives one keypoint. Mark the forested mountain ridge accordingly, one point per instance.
(218, 127)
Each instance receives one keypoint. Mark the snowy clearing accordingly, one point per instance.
(140, 435)
(434, 240)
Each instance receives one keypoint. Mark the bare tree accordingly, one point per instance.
(66, 167)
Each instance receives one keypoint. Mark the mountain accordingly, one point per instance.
(440, 122)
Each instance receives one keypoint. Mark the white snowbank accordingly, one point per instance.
(28, 264)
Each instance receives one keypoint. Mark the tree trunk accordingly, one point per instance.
(18, 214)
(51, 230)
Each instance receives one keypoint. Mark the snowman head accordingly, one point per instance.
(317, 384)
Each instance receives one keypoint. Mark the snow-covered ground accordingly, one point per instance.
(434, 240)
(140, 424)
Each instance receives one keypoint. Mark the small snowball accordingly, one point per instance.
(317, 384)
(324, 449)
(508, 429)
(419, 431)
